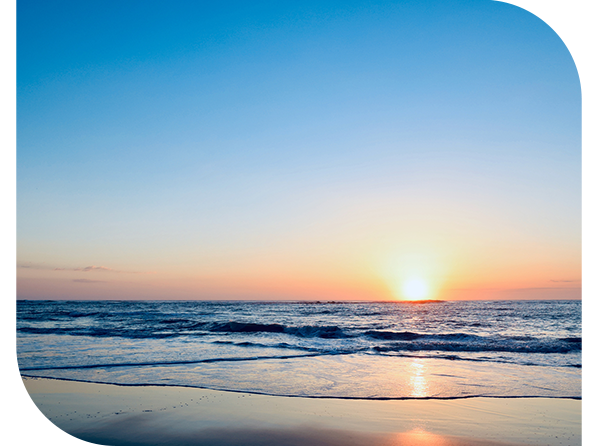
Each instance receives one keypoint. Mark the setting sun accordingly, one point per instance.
(415, 289)
(416, 272)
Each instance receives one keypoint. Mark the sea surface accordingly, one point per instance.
(433, 349)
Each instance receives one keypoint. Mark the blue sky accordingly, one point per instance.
(169, 138)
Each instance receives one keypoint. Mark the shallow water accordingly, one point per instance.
(350, 350)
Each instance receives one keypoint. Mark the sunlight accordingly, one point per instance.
(419, 437)
(415, 289)
(418, 380)
(414, 276)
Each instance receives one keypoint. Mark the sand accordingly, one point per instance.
(178, 416)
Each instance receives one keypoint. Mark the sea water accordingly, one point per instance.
(378, 350)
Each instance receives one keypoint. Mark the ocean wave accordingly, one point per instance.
(385, 340)
(471, 343)
(312, 331)
(99, 332)
(246, 327)
(169, 363)
(525, 333)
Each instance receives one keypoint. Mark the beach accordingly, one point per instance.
(161, 415)
(286, 373)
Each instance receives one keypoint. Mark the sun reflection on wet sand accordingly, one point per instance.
(418, 381)
(419, 437)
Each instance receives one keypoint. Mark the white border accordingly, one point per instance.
(576, 24)
(8, 121)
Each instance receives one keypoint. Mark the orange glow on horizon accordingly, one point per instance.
(407, 272)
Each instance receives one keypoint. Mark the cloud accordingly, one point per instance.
(543, 288)
(566, 281)
(95, 268)
(83, 269)
(30, 265)
(107, 269)
(88, 281)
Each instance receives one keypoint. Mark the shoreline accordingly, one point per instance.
(131, 415)
(322, 397)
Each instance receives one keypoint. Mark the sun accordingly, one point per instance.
(414, 275)
(415, 289)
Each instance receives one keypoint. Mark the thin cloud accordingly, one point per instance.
(566, 281)
(88, 281)
(30, 265)
(544, 288)
(83, 269)
(87, 269)
(522, 289)
(96, 268)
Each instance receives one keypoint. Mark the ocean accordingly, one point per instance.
(374, 350)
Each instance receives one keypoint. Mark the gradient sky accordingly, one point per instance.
(295, 150)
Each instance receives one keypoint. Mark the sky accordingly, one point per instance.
(309, 150)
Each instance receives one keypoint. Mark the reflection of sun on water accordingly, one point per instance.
(417, 379)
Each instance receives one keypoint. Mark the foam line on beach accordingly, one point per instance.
(460, 358)
(161, 363)
(319, 397)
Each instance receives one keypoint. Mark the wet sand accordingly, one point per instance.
(178, 416)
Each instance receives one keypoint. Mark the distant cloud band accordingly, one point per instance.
(88, 281)
(84, 269)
